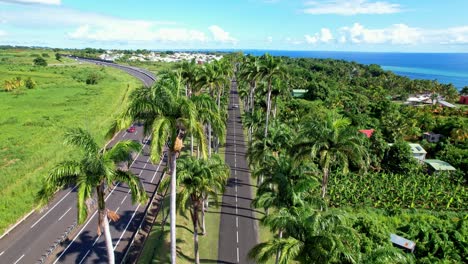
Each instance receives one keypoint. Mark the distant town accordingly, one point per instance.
(161, 56)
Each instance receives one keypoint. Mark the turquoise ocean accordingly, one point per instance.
(443, 67)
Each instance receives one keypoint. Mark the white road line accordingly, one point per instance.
(89, 250)
(19, 259)
(53, 207)
(124, 134)
(237, 236)
(2, 253)
(64, 214)
(237, 254)
(125, 197)
(237, 221)
(116, 210)
(82, 229)
(157, 169)
(126, 227)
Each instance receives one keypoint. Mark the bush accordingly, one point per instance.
(40, 62)
(29, 83)
(93, 78)
(58, 56)
(45, 55)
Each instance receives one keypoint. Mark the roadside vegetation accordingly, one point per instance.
(332, 195)
(35, 116)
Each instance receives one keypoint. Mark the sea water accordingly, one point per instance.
(443, 67)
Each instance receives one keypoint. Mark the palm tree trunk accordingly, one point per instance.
(191, 145)
(278, 252)
(324, 182)
(173, 208)
(203, 218)
(209, 139)
(195, 234)
(107, 235)
(268, 108)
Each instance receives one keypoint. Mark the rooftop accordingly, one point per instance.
(417, 149)
(439, 165)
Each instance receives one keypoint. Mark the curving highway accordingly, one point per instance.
(52, 236)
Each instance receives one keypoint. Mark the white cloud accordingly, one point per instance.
(136, 31)
(350, 7)
(455, 35)
(269, 39)
(219, 35)
(2, 33)
(42, 2)
(324, 36)
(395, 34)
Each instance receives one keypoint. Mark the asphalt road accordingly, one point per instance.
(32, 238)
(238, 232)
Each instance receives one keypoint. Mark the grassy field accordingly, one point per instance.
(33, 121)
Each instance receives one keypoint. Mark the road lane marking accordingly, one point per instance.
(125, 197)
(2, 253)
(237, 236)
(89, 250)
(237, 254)
(53, 207)
(19, 259)
(82, 229)
(157, 169)
(124, 134)
(237, 221)
(126, 227)
(64, 214)
(116, 210)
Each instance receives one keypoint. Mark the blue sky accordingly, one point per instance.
(334, 25)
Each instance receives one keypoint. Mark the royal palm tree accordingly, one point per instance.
(96, 169)
(167, 115)
(209, 114)
(190, 75)
(313, 237)
(199, 179)
(249, 73)
(270, 69)
(288, 184)
(331, 142)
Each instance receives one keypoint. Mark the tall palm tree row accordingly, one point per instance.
(198, 180)
(168, 115)
(96, 169)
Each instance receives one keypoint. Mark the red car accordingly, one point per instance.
(131, 129)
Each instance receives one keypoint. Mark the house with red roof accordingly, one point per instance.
(367, 132)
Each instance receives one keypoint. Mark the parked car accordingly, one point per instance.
(131, 129)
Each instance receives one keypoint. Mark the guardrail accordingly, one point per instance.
(56, 243)
(148, 207)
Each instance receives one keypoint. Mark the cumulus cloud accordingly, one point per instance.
(42, 2)
(350, 7)
(395, 34)
(455, 35)
(324, 36)
(219, 35)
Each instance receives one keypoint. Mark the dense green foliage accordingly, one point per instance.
(386, 190)
(411, 190)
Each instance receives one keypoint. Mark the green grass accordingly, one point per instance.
(157, 246)
(33, 121)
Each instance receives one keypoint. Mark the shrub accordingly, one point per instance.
(45, 55)
(92, 78)
(58, 56)
(39, 61)
(29, 83)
